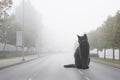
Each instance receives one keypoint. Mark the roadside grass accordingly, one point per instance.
(107, 60)
(11, 57)
(2, 58)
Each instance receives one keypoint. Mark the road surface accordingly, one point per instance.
(51, 68)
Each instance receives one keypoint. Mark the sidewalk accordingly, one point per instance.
(107, 63)
(5, 63)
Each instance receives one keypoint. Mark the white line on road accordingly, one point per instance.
(110, 66)
(30, 79)
(115, 68)
(87, 78)
(80, 72)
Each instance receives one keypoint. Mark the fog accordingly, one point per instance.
(62, 20)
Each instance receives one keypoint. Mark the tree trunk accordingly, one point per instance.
(4, 46)
(119, 54)
(97, 52)
(113, 54)
(104, 53)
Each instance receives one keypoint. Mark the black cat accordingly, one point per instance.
(81, 56)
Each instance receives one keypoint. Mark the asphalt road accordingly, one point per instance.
(51, 68)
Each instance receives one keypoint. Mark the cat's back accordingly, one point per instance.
(77, 52)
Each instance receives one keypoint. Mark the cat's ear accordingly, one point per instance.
(78, 36)
(85, 36)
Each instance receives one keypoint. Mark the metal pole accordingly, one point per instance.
(23, 59)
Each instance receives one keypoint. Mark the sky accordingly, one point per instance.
(64, 19)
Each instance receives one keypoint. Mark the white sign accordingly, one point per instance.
(19, 38)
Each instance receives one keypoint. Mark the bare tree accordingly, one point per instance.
(5, 6)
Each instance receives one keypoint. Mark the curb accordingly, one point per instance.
(107, 63)
(1, 68)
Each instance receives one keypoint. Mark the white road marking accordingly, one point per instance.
(115, 68)
(81, 72)
(30, 79)
(109, 66)
(87, 78)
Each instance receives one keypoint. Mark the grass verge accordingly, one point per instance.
(11, 57)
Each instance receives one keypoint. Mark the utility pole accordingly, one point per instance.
(23, 59)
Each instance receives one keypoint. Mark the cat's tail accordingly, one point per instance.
(70, 66)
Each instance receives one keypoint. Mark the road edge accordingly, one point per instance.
(18, 63)
(107, 63)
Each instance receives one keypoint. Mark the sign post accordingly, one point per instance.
(19, 41)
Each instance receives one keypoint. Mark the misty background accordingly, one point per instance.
(56, 23)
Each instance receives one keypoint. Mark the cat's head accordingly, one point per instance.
(82, 38)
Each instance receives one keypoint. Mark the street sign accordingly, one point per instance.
(19, 38)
